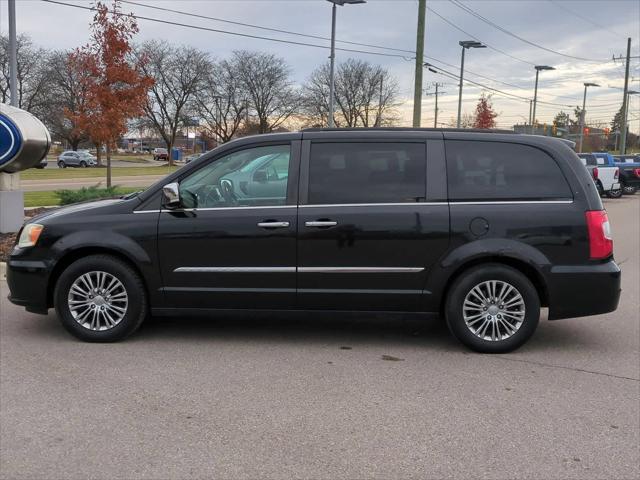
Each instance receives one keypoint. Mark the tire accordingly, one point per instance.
(629, 189)
(523, 324)
(83, 164)
(126, 313)
(614, 193)
(61, 164)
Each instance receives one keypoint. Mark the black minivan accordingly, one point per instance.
(483, 228)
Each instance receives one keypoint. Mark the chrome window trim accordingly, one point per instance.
(510, 202)
(256, 207)
(414, 204)
(340, 205)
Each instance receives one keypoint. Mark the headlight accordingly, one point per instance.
(30, 234)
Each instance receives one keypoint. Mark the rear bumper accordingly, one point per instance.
(27, 281)
(582, 290)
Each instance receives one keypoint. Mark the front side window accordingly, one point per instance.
(251, 177)
(485, 171)
(347, 173)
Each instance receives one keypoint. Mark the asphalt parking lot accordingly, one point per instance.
(326, 397)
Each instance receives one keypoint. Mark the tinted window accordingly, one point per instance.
(502, 171)
(251, 177)
(367, 173)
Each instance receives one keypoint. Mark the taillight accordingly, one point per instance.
(595, 173)
(600, 241)
(617, 173)
(637, 172)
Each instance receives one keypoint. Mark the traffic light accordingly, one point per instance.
(607, 131)
(586, 130)
(554, 129)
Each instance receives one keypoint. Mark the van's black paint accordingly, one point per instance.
(546, 241)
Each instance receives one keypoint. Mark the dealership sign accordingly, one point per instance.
(24, 140)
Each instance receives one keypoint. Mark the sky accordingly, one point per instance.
(551, 32)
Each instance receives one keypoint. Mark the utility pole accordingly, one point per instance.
(379, 117)
(13, 54)
(625, 103)
(530, 110)
(417, 88)
(437, 85)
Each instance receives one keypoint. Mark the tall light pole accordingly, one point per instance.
(583, 113)
(333, 52)
(465, 44)
(535, 92)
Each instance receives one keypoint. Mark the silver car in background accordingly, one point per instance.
(80, 159)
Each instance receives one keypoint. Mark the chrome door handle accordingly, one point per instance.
(321, 223)
(273, 224)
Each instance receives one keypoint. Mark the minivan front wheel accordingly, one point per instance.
(100, 298)
(492, 308)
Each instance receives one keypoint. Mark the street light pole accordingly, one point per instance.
(583, 114)
(535, 93)
(465, 45)
(333, 54)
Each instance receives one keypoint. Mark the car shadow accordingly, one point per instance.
(307, 327)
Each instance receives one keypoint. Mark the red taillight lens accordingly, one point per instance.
(637, 172)
(595, 172)
(600, 242)
(617, 173)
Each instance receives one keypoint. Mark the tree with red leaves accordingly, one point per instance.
(116, 89)
(485, 116)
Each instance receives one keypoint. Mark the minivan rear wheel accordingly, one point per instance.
(492, 308)
(100, 298)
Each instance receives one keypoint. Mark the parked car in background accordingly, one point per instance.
(606, 177)
(160, 154)
(80, 158)
(481, 228)
(629, 166)
(41, 164)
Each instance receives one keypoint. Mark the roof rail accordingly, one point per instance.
(401, 129)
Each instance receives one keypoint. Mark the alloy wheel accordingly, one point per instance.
(493, 310)
(98, 300)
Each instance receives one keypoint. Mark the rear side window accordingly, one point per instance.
(502, 171)
(343, 173)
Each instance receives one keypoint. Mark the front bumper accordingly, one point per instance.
(28, 282)
(582, 290)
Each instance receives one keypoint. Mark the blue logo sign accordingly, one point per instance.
(10, 140)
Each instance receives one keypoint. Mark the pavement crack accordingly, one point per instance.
(549, 365)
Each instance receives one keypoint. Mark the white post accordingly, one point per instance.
(11, 197)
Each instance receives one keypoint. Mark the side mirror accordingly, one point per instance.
(171, 195)
(260, 176)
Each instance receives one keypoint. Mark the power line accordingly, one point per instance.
(472, 12)
(289, 32)
(588, 20)
(227, 32)
(476, 38)
(260, 27)
(451, 75)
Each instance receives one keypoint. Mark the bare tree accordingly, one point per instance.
(178, 73)
(267, 79)
(66, 96)
(366, 95)
(31, 74)
(222, 102)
